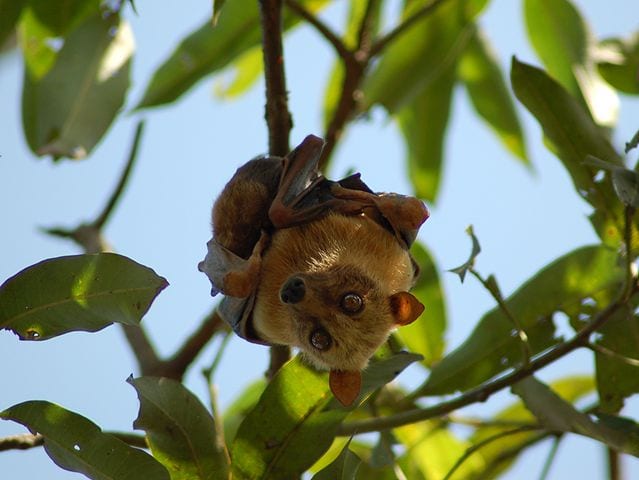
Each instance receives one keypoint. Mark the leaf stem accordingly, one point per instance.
(552, 454)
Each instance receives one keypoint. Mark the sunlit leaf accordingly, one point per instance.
(80, 292)
(62, 17)
(180, 431)
(239, 409)
(426, 334)
(564, 42)
(426, 50)
(37, 45)
(572, 135)
(493, 346)
(560, 416)
(75, 443)
(68, 110)
(344, 467)
(479, 71)
(618, 63)
(246, 71)
(423, 124)
(209, 49)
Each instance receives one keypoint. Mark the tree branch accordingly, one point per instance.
(278, 117)
(338, 45)
(383, 42)
(484, 391)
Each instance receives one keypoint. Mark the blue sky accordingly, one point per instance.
(524, 218)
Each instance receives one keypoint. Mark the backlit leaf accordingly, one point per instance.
(618, 63)
(180, 431)
(80, 292)
(493, 346)
(75, 443)
(68, 109)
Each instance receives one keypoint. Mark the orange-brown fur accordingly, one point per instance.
(334, 256)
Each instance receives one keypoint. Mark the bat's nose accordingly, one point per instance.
(293, 290)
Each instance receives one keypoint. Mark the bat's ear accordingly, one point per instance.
(345, 385)
(405, 308)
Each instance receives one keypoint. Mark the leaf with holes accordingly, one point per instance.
(493, 346)
(79, 292)
(75, 443)
(180, 431)
(66, 111)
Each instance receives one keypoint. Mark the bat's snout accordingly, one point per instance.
(293, 290)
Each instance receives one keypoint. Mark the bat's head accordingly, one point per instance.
(335, 289)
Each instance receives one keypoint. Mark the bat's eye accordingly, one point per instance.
(321, 339)
(351, 303)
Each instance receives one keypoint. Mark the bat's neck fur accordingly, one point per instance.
(335, 255)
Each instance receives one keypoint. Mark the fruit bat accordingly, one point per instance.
(311, 263)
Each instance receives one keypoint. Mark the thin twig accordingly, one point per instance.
(482, 392)
(550, 458)
(595, 347)
(614, 464)
(521, 333)
(104, 216)
(365, 31)
(278, 117)
(383, 42)
(340, 48)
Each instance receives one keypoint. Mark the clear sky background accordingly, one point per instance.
(523, 218)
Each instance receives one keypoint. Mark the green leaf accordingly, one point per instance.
(463, 269)
(37, 46)
(67, 110)
(563, 41)
(209, 49)
(479, 71)
(570, 389)
(426, 334)
(80, 292)
(62, 17)
(243, 404)
(426, 49)
(560, 416)
(624, 180)
(296, 419)
(493, 346)
(75, 443)
(247, 69)
(10, 11)
(618, 63)
(423, 124)
(180, 431)
(344, 467)
(217, 10)
(616, 379)
(572, 136)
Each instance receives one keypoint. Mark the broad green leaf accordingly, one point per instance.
(426, 50)
(296, 419)
(426, 335)
(79, 292)
(61, 17)
(624, 181)
(209, 49)
(37, 46)
(493, 346)
(570, 389)
(67, 111)
(75, 443)
(564, 42)
(180, 431)
(572, 136)
(246, 71)
(10, 11)
(344, 467)
(560, 416)
(434, 450)
(618, 63)
(243, 404)
(616, 379)
(423, 124)
(479, 71)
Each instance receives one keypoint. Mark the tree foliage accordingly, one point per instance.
(77, 57)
